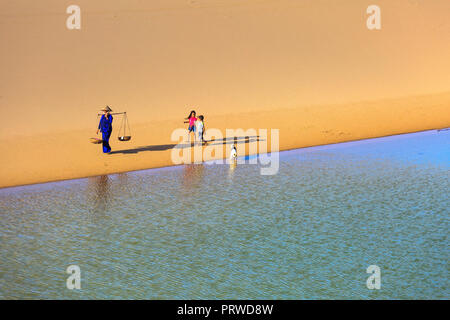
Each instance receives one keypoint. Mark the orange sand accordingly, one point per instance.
(297, 66)
(68, 155)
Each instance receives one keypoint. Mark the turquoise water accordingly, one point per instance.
(209, 231)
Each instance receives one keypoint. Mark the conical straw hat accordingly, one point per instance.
(107, 109)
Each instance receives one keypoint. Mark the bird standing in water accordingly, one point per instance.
(233, 153)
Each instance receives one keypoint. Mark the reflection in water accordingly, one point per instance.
(233, 164)
(123, 178)
(99, 193)
(193, 176)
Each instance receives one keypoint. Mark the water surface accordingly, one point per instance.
(211, 231)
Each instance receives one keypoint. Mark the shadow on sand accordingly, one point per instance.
(212, 142)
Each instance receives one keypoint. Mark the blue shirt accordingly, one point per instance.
(105, 125)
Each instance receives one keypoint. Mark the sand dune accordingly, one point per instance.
(298, 66)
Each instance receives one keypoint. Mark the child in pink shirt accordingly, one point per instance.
(191, 120)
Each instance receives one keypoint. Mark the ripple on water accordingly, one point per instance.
(208, 231)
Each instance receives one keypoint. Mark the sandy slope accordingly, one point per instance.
(296, 65)
(69, 154)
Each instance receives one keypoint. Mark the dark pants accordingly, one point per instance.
(105, 138)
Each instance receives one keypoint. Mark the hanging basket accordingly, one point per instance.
(95, 140)
(123, 129)
(124, 138)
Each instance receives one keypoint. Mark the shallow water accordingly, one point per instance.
(211, 231)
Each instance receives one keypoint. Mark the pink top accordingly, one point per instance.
(192, 121)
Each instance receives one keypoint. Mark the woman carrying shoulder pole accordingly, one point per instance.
(105, 126)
